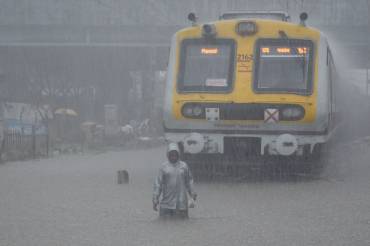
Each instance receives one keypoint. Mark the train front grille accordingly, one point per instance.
(240, 147)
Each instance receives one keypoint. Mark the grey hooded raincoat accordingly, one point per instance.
(173, 182)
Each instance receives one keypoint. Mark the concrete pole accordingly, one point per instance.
(287, 6)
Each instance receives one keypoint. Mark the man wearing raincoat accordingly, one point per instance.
(174, 181)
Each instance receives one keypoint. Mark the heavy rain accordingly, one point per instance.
(270, 118)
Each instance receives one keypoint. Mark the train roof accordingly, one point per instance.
(272, 15)
(255, 19)
(275, 18)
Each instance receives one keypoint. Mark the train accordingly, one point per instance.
(250, 85)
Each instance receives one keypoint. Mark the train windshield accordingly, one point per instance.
(206, 65)
(284, 65)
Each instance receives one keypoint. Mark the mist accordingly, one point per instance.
(81, 100)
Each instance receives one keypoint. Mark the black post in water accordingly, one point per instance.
(122, 177)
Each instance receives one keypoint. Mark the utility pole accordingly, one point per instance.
(367, 77)
(287, 6)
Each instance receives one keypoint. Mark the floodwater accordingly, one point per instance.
(75, 200)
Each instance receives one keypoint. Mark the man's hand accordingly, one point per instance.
(155, 206)
(194, 196)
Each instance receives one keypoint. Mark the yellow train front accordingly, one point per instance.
(249, 88)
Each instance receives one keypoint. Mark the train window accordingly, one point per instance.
(206, 65)
(283, 65)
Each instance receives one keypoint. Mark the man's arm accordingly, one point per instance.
(157, 188)
(190, 184)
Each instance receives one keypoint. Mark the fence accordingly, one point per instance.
(20, 145)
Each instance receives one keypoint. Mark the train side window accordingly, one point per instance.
(331, 77)
(327, 56)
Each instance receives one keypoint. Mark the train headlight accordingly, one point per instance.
(209, 30)
(246, 28)
(292, 113)
(197, 111)
(191, 110)
(187, 111)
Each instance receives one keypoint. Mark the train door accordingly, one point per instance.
(332, 96)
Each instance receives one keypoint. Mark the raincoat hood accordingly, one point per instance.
(173, 147)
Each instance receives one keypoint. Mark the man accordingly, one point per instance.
(174, 181)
